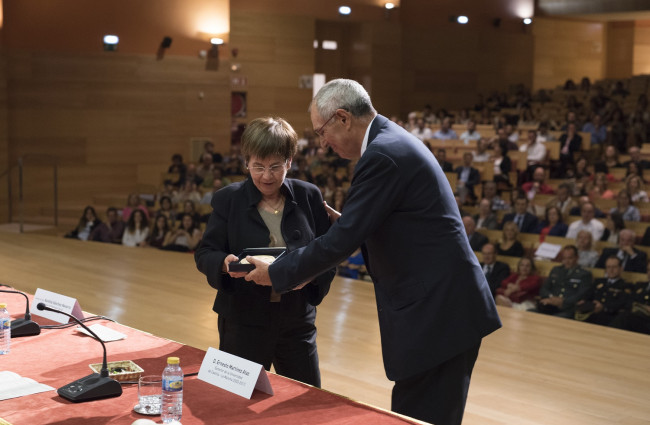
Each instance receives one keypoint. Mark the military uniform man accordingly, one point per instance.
(636, 316)
(608, 298)
(565, 286)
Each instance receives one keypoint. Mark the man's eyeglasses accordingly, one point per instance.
(319, 132)
(274, 169)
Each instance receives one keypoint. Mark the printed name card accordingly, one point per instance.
(234, 374)
(60, 302)
(548, 250)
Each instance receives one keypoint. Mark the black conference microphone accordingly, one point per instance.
(23, 327)
(92, 387)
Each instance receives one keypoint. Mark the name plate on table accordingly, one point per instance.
(234, 374)
(60, 302)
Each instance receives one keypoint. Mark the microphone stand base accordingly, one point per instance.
(22, 327)
(91, 387)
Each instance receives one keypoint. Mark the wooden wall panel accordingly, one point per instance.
(641, 52)
(620, 49)
(274, 51)
(103, 116)
(567, 49)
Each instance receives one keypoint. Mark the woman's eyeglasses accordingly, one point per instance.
(274, 169)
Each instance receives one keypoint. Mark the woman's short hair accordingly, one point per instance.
(269, 136)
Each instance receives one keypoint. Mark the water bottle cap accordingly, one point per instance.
(173, 360)
(3, 305)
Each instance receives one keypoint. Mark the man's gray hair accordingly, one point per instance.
(342, 94)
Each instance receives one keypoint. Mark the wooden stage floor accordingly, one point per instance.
(537, 370)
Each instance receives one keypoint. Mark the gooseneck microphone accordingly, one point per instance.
(25, 326)
(94, 386)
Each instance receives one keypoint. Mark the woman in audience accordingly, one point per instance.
(587, 257)
(553, 225)
(625, 207)
(189, 208)
(633, 170)
(610, 160)
(509, 245)
(184, 239)
(520, 288)
(87, 223)
(167, 210)
(159, 232)
(137, 229)
(502, 163)
(599, 188)
(634, 186)
(133, 202)
(613, 226)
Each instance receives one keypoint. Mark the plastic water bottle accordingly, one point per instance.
(5, 329)
(172, 391)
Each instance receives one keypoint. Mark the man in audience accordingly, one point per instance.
(570, 143)
(563, 201)
(511, 133)
(109, 231)
(632, 259)
(490, 193)
(501, 138)
(577, 210)
(481, 154)
(565, 286)
(204, 170)
(597, 130)
(495, 271)
(607, 298)
(468, 177)
(587, 222)
(635, 157)
(421, 131)
(543, 134)
(445, 132)
(535, 151)
(476, 239)
(525, 221)
(441, 156)
(636, 315)
(537, 185)
(470, 133)
(485, 218)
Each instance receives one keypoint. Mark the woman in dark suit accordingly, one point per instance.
(266, 210)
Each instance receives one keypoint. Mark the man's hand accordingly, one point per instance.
(260, 274)
(334, 215)
(556, 301)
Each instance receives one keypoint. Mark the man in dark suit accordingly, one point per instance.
(476, 239)
(495, 271)
(468, 177)
(608, 297)
(632, 259)
(526, 222)
(433, 301)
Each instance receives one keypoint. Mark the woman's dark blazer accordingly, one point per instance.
(236, 224)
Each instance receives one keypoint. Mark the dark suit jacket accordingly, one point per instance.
(235, 224)
(528, 226)
(574, 145)
(500, 271)
(473, 179)
(433, 301)
(637, 264)
(490, 223)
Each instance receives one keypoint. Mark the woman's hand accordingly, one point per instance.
(226, 262)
